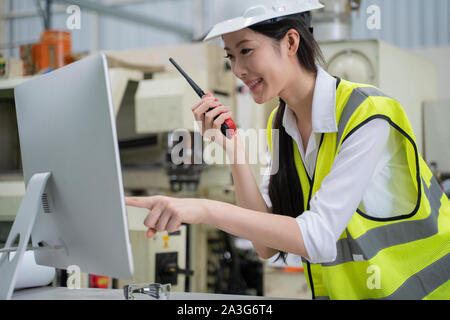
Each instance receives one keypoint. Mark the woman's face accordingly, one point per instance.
(258, 61)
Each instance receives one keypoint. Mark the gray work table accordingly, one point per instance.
(60, 293)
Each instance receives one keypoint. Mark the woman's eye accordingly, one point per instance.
(243, 52)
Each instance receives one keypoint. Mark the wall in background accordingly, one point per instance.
(406, 23)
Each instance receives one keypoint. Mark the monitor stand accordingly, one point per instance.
(21, 231)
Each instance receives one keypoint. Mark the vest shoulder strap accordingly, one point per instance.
(269, 128)
(357, 97)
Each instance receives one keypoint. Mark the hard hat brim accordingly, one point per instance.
(239, 23)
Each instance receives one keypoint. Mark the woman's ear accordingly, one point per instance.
(292, 41)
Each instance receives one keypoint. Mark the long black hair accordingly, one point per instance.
(285, 190)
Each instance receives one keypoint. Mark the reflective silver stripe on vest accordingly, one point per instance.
(374, 240)
(357, 97)
(424, 282)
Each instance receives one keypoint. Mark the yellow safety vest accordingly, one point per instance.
(405, 257)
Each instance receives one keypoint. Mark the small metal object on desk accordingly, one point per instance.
(155, 290)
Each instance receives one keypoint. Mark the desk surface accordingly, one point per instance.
(59, 293)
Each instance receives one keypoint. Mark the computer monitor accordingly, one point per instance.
(67, 127)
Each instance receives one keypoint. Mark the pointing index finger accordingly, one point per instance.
(140, 202)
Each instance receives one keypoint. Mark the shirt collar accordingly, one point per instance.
(323, 106)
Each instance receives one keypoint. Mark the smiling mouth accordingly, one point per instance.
(254, 84)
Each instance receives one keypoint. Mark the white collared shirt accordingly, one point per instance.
(361, 175)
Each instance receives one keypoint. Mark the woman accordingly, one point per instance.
(351, 195)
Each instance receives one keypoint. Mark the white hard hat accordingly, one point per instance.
(239, 14)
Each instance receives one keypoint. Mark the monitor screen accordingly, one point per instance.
(67, 127)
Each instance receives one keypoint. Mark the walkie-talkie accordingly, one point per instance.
(228, 128)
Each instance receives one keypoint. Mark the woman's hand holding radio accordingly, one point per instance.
(210, 114)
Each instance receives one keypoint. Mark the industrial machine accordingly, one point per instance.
(161, 259)
(154, 115)
(12, 186)
(333, 22)
(158, 105)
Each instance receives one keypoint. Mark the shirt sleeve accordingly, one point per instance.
(341, 191)
(264, 188)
